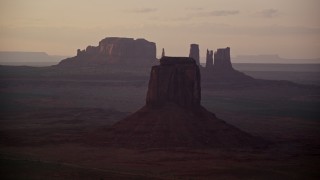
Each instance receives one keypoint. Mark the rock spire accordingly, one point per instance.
(222, 59)
(195, 53)
(209, 59)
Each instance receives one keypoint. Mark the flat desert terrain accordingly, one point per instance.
(46, 124)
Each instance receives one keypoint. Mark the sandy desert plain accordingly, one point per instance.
(48, 115)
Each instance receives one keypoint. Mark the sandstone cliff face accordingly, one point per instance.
(115, 50)
(175, 80)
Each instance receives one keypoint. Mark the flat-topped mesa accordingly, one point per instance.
(115, 50)
(222, 60)
(127, 48)
(176, 80)
(195, 53)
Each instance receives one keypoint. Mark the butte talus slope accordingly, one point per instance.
(173, 115)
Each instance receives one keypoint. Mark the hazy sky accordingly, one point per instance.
(290, 28)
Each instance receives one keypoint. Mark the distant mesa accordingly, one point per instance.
(173, 115)
(115, 50)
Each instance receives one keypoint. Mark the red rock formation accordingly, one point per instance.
(173, 116)
(115, 50)
(194, 53)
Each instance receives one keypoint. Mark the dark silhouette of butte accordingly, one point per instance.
(114, 51)
(173, 115)
(195, 53)
(121, 52)
(219, 67)
(220, 73)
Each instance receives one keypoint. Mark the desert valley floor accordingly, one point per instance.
(45, 125)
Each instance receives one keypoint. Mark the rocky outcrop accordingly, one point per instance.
(222, 71)
(173, 115)
(176, 80)
(209, 59)
(163, 53)
(115, 50)
(126, 48)
(222, 60)
(195, 53)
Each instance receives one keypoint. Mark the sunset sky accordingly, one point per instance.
(290, 28)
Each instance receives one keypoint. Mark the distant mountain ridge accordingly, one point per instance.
(26, 57)
(271, 58)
